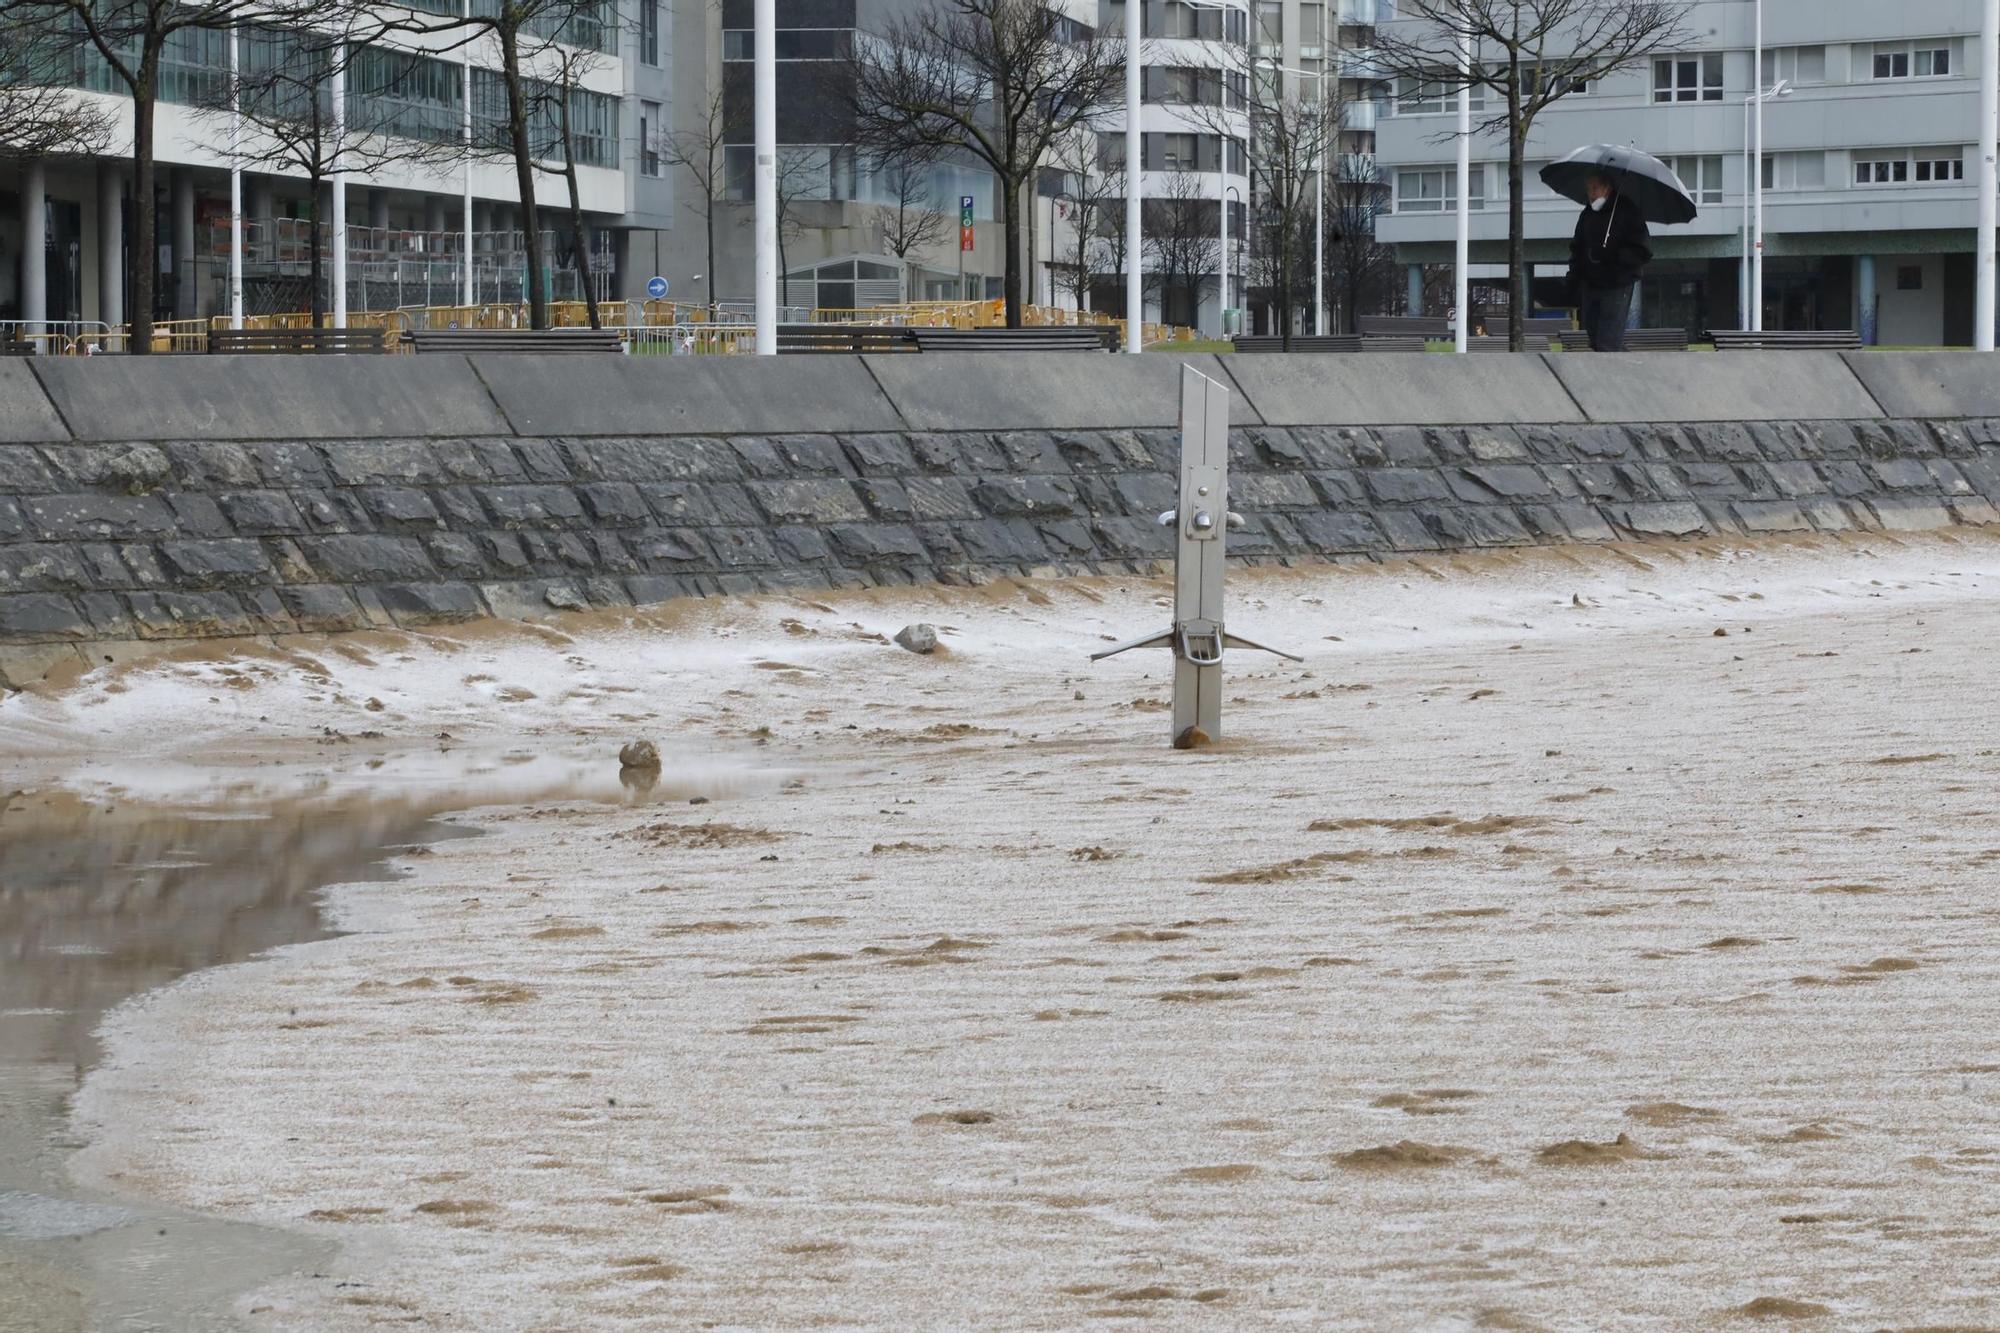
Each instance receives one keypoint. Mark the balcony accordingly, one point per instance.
(1360, 116)
(1361, 65)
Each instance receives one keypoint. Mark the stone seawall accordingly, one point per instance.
(218, 496)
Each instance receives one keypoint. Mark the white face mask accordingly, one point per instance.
(1597, 204)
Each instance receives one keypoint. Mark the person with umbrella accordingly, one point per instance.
(1621, 190)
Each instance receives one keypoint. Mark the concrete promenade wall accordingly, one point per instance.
(188, 497)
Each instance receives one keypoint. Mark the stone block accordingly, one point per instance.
(1002, 542)
(874, 543)
(24, 471)
(460, 506)
(1403, 529)
(1829, 515)
(1770, 516)
(531, 506)
(142, 565)
(1027, 497)
(1670, 519)
(400, 508)
(685, 502)
(1480, 485)
(935, 451)
(1131, 539)
(23, 664)
(75, 517)
(879, 455)
(370, 558)
(378, 462)
(741, 548)
(1711, 479)
(332, 511)
(1068, 538)
(44, 567)
(1947, 477)
(198, 516)
(504, 549)
(1909, 515)
(1257, 492)
(1499, 444)
(261, 513)
(209, 564)
(1490, 525)
(658, 548)
(1585, 523)
(1974, 511)
(1847, 479)
(1399, 446)
(1274, 446)
(652, 589)
(1146, 494)
(1929, 384)
(1040, 390)
(542, 461)
(107, 615)
(1333, 532)
(805, 545)
(322, 607)
(31, 616)
(809, 500)
(1102, 451)
(13, 523)
(456, 553)
(614, 504)
(1714, 386)
(1305, 388)
(1895, 439)
(289, 463)
(1405, 485)
(132, 469)
(26, 415)
(430, 603)
(579, 396)
(1795, 480)
(191, 615)
(695, 458)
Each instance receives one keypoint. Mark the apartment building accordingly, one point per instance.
(1869, 170)
(406, 241)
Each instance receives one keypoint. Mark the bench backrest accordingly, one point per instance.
(844, 338)
(1774, 340)
(1059, 338)
(1393, 344)
(516, 340)
(1423, 326)
(1651, 340)
(1272, 342)
(295, 340)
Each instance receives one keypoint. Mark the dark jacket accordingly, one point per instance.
(1610, 247)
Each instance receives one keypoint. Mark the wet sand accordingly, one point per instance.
(1593, 939)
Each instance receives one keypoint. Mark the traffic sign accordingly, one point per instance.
(965, 223)
(656, 287)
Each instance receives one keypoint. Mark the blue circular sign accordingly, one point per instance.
(656, 287)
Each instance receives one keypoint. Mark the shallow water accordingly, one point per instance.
(111, 889)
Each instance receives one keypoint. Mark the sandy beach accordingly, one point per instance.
(1579, 939)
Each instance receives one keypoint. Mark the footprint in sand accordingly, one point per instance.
(1780, 1307)
(1405, 1155)
(1583, 1152)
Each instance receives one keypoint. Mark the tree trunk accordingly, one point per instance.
(144, 252)
(708, 223)
(1517, 246)
(1010, 206)
(524, 175)
(1284, 283)
(580, 238)
(313, 227)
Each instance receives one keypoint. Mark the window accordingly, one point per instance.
(1435, 192)
(1701, 175)
(1904, 60)
(1688, 78)
(792, 43)
(1882, 172)
(1935, 169)
(1312, 27)
(1270, 28)
(1175, 83)
(1909, 277)
(1795, 171)
(1177, 152)
(649, 143)
(1419, 97)
(649, 32)
(1798, 64)
(1183, 21)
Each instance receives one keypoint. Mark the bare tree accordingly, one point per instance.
(40, 115)
(698, 152)
(529, 37)
(1361, 268)
(284, 93)
(912, 220)
(1096, 189)
(1002, 80)
(1294, 126)
(798, 172)
(131, 37)
(1529, 54)
(559, 94)
(1180, 234)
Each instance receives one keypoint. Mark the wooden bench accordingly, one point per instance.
(844, 338)
(1393, 343)
(1301, 342)
(559, 341)
(1404, 326)
(1533, 342)
(1646, 340)
(17, 347)
(295, 340)
(1785, 340)
(1055, 338)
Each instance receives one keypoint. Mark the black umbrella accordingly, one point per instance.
(1640, 178)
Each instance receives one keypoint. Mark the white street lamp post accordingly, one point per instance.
(1135, 172)
(235, 187)
(1989, 174)
(1462, 292)
(339, 178)
(764, 119)
(1222, 300)
(1757, 182)
(465, 136)
(1751, 280)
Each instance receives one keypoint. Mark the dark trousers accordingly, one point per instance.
(1603, 316)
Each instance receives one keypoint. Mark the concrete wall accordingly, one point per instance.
(145, 500)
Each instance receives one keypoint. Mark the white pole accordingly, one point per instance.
(1743, 273)
(1989, 114)
(339, 180)
(1135, 296)
(1319, 217)
(764, 50)
(1757, 183)
(235, 191)
(465, 135)
(1462, 289)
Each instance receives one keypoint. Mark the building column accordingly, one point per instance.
(434, 218)
(111, 244)
(184, 276)
(1864, 292)
(34, 246)
(1416, 289)
(378, 209)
